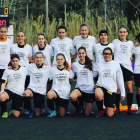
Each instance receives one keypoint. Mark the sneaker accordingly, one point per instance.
(4, 115)
(30, 115)
(43, 111)
(67, 112)
(52, 114)
(11, 113)
(26, 111)
(99, 114)
(129, 112)
(137, 112)
(117, 111)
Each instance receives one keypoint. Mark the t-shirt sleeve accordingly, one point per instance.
(71, 74)
(95, 70)
(72, 49)
(30, 52)
(120, 80)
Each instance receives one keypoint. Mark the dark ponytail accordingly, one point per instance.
(88, 61)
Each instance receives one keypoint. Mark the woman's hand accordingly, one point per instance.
(122, 98)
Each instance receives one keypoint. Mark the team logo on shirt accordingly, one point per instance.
(86, 45)
(3, 48)
(62, 47)
(61, 77)
(21, 54)
(84, 73)
(124, 48)
(106, 72)
(38, 76)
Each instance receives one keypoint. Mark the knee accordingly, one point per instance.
(110, 114)
(129, 89)
(98, 97)
(49, 96)
(2, 99)
(26, 94)
(72, 98)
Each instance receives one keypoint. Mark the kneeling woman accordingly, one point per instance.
(12, 88)
(83, 70)
(60, 90)
(109, 73)
(39, 74)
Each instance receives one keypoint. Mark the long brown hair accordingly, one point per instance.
(65, 63)
(88, 61)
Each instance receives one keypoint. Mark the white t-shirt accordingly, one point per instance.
(136, 52)
(84, 78)
(123, 52)
(88, 43)
(24, 53)
(38, 78)
(98, 50)
(5, 53)
(61, 83)
(47, 52)
(15, 80)
(109, 74)
(64, 46)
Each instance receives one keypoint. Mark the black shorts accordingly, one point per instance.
(38, 99)
(27, 81)
(1, 72)
(17, 100)
(62, 102)
(137, 80)
(127, 74)
(88, 97)
(109, 97)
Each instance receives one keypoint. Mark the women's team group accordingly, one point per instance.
(101, 71)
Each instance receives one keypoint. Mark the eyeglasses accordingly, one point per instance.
(107, 53)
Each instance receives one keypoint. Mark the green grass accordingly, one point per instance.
(119, 127)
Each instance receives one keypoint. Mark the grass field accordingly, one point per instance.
(119, 127)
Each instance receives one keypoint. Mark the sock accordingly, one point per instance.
(117, 101)
(57, 103)
(75, 104)
(99, 105)
(12, 105)
(27, 100)
(129, 100)
(51, 104)
(3, 106)
(81, 101)
(138, 99)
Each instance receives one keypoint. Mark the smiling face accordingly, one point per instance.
(60, 60)
(82, 54)
(21, 38)
(39, 59)
(3, 33)
(41, 40)
(15, 62)
(123, 34)
(107, 55)
(62, 33)
(84, 31)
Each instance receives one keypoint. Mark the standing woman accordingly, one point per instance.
(83, 70)
(60, 87)
(12, 88)
(109, 73)
(123, 54)
(5, 45)
(62, 44)
(136, 52)
(85, 40)
(39, 74)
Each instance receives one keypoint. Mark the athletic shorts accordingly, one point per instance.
(127, 74)
(38, 99)
(1, 72)
(109, 97)
(17, 100)
(137, 80)
(27, 81)
(62, 102)
(88, 97)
